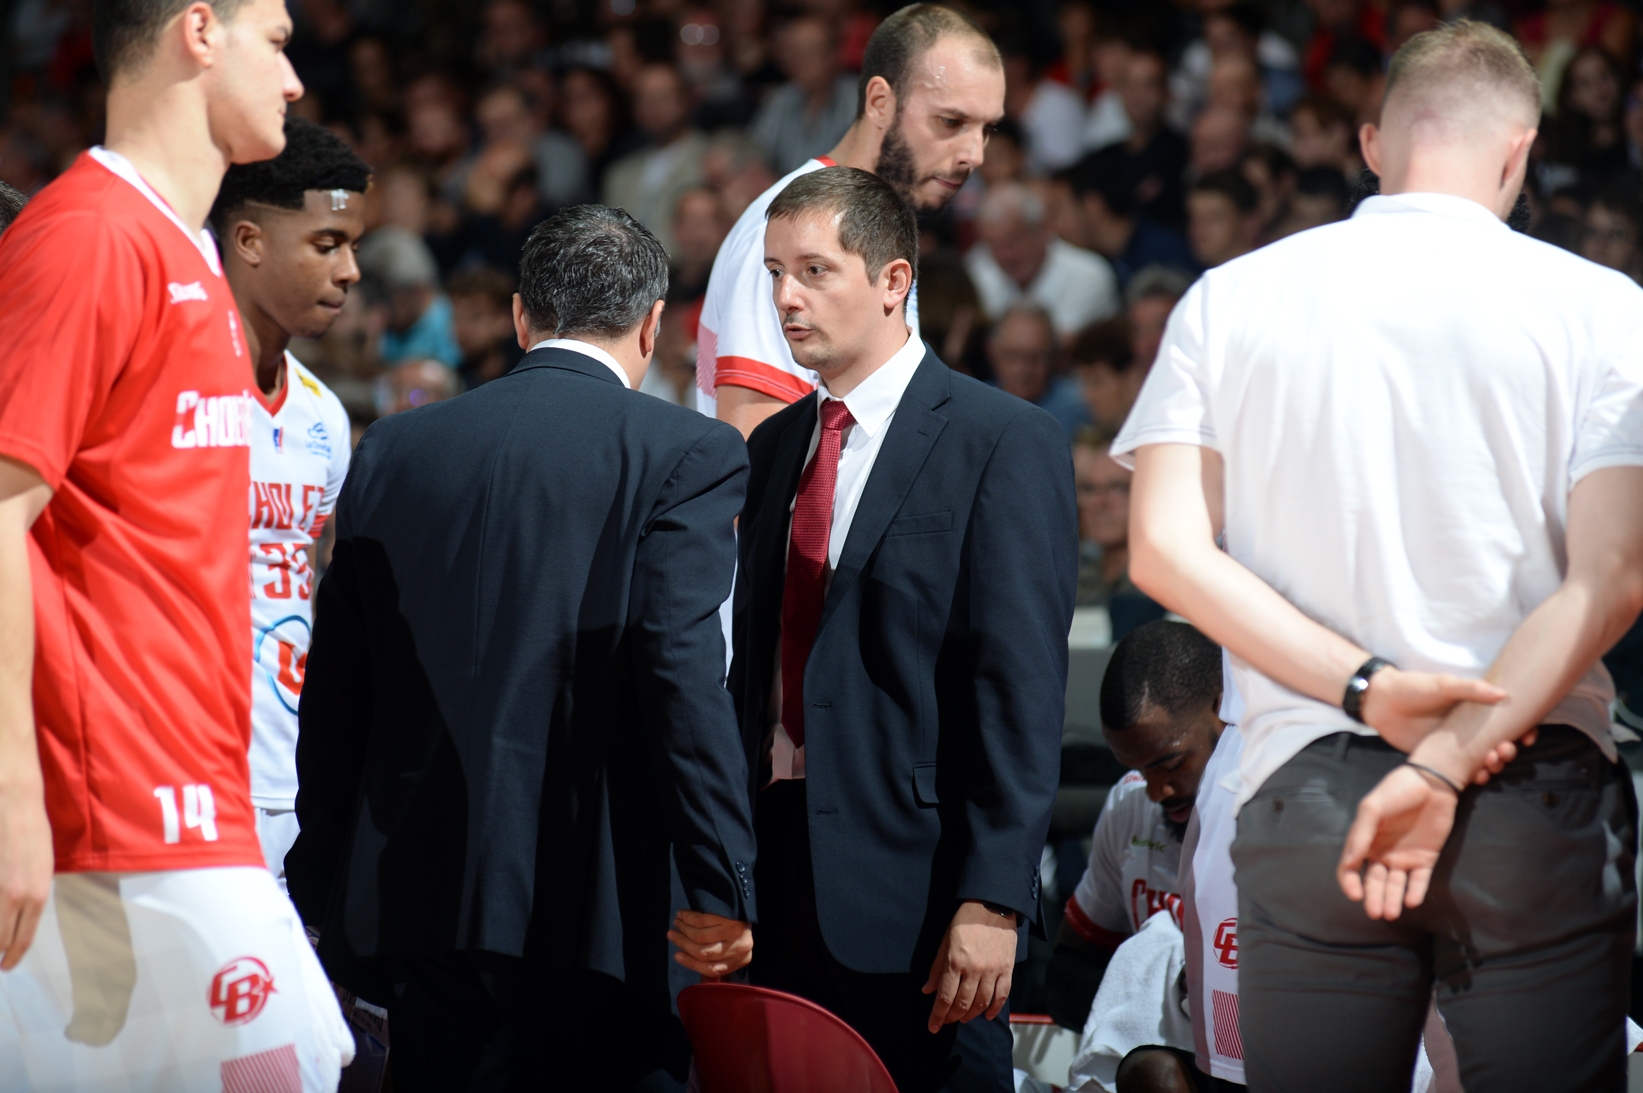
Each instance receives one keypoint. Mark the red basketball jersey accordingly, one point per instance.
(124, 382)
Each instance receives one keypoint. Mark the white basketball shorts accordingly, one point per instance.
(187, 981)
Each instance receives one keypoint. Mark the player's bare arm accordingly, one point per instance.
(744, 407)
(1175, 516)
(1402, 824)
(25, 834)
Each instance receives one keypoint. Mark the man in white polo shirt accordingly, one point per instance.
(1424, 432)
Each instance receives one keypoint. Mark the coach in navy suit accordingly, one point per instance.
(908, 560)
(514, 713)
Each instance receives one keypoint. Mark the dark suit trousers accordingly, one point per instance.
(890, 1011)
(482, 1023)
(1526, 933)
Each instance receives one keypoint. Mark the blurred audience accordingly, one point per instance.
(482, 323)
(648, 183)
(1022, 350)
(1109, 223)
(1018, 258)
(1150, 298)
(415, 382)
(1103, 520)
(1103, 363)
(1223, 218)
(808, 115)
(397, 264)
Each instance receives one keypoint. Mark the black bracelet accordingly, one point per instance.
(1438, 774)
(1358, 686)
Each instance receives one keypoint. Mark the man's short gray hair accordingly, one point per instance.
(1156, 280)
(590, 271)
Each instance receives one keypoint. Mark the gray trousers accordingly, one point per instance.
(1526, 934)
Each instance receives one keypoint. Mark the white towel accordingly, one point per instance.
(1141, 1001)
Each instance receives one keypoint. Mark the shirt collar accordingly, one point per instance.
(876, 397)
(125, 169)
(587, 349)
(1458, 208)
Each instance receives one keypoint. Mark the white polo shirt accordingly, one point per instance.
(1403, 401)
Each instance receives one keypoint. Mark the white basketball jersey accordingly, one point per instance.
(1215, 912)
(1133, 868)
(299, 457)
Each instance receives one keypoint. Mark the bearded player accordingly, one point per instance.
(161, 955)
(287, 229)
(931, 88)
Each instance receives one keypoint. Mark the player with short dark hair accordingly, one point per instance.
(161, 954)
(287, 228)
(1160, 706)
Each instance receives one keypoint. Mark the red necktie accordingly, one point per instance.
(803, 592)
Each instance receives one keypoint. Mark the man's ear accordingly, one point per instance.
(521, 324)
(200, 29)
(1369, 143)
(897, 279)
(1516, 169)
(649, 327)
(248, 241)
(881, 103)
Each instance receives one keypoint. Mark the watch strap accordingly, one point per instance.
(1358, 686)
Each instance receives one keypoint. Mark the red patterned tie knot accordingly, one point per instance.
(835, 415)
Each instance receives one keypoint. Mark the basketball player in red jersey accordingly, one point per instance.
(161, 954)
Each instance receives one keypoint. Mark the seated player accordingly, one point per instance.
(1159, 706)
(287, 229)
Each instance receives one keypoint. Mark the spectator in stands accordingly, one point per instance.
(1022, 350)
(1103, 520)
(1412, 17)
(1107, 372)
(1587, 133)
(1050, 113)
(1235, 82)
(1613, 223)
(1223, 218)
(414, 383)
(808, 115)
(722, 99)
(1019, 259)
(482, 323)
(1116, 229)
(1148, 302)
(1338, 21)
(510, 37)
(1006, 158)
(437, 130)
(671, 376)
(1160, 701)
(949, 313)
(505, 116)
(1356, 78)
(590, 110)
(648, 182)
(12, 201)
(1238, 29)
(1552, 35)
(398, 265)
(734, 168)
(1270, 170)
(503, 203)
(1220, 136)
(1325, 136)
(699, 226)
(1106, 123)
(1153, 157)
(1320, 198)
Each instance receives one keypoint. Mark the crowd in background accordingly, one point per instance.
(1144, 141)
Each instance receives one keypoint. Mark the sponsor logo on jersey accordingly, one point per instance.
(1146, 902)
(279, 440)
(319, 441)
(1226, 944)
(240, 990)
(1147, 844)
(313, 388)
(212, 421)
(181, 293)
(287, 640)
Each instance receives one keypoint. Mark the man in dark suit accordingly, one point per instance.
(514, 713)
(908, 559)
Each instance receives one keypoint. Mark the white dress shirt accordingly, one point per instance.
(1403, 401)
(587, 349)
(1076, 286)
(872, 405)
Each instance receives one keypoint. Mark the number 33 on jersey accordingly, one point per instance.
(299, 457)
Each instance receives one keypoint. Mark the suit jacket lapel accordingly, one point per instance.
(913, 432)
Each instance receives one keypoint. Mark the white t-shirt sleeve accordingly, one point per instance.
(1174, 406)
(1610, 433)
(1100, 893)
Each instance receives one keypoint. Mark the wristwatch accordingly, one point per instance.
(1358, 686)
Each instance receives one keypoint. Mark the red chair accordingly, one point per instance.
(753, 1040)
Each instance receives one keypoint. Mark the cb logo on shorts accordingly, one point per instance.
(1226, 944)
(240, 990)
